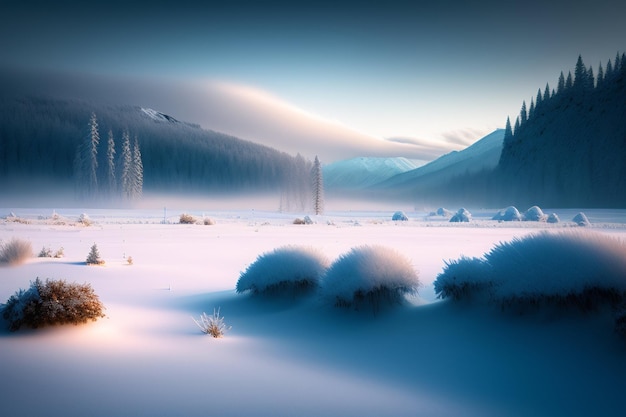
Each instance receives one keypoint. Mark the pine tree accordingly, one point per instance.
(136, 172)
(523, 114)
(508, 132)
(539, 98)
(531, 109)
(561, 85)
(546, 93)
(600, 77)
(568, 81)
(609, 71)
(516, 127)
(125, 164)
(111, 183)
(318, 187)
(580, 74)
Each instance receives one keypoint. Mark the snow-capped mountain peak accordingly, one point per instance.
(158, 116)
(363, 172)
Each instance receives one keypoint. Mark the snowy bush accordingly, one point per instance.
(15, 251)
(369, 276)
(553, 218)
(461, 216)
(208, 221)
(94, 256)
(187, 219)
(534, 214)
(581, 220)
(510, 214)
(213, 325)
(51, 302)
(290, 269)
(46, 252)
(582, 270)
(84, 220)
(444, 212)
(463, 279)
(399, 216)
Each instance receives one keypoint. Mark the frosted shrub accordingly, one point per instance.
(581, 220)
(208, 221)
(84, 220)
(52, 302)
(94, 256)
(461, 216)
(15, 251)
(291, 270)
(187, 219)
(581, 270)
(553, 218)
(510, 214)
(399, 216)
(444, 212)
(45, 253)
(463, 279)
(371, 277)
(213, 325)
(534, 214)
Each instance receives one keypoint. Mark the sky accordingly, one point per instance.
(437, 75)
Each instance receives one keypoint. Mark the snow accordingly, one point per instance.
(285, 358)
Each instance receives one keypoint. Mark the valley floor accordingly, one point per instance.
(288, 357)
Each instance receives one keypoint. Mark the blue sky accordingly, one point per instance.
(444, 72)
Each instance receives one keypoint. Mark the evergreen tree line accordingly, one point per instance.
(568, 148)
(108, 175)
(39, 138)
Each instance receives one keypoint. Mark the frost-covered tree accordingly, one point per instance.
(136, 172)
(318, 187)
(125, 165)
(86, 161)
(111, 181)
(94, 141)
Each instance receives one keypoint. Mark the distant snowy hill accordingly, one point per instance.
(363, 172)
(482, 155)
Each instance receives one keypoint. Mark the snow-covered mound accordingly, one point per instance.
(293, 269)
(581, 219)
(461, 216)
(534, 214)
(363, 172)
(399, 216)
(509, 214)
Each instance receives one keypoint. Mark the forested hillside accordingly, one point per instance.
(41, 140)
(568, 147)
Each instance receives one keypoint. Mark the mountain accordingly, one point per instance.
(40, 140)
(480, 156)
(357, 173)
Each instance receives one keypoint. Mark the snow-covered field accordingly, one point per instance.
(285, 357)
